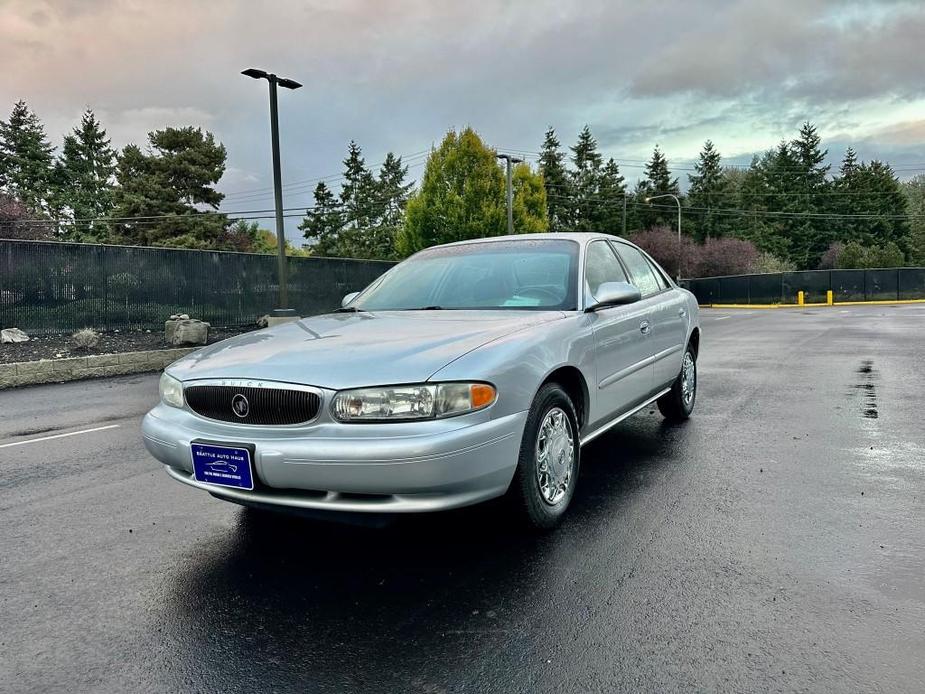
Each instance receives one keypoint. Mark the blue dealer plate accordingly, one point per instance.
(225, 466)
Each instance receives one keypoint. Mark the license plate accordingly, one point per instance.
(225, 466)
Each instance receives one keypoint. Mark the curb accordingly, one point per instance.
(895, 302)
(26, 373)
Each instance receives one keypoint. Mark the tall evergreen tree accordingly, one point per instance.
(323, 222)
(358, 193)
(393, 191)
(608, 216)
(914, 190)
(164, 190)
(708, 195)
(884, 206)
(872, 201)
(26, 159)
(658, 180)
(810, 236)
(556, 179)
(751, 196)
(585, 182)
(84, 177)
(846, 200)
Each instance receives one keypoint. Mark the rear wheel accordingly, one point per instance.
(678, 403)
(547, 469)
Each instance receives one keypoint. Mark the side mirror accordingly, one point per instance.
(348, 298)
(614, 294)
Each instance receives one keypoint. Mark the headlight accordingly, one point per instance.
(171, 390)
(424, 401)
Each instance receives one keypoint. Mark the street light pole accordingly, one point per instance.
(283, 310)
(675, 198)
(509, 160)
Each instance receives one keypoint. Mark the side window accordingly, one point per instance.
(641, 274)
(659, 277)
(601, 265)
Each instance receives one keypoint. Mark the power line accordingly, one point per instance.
(303, 183)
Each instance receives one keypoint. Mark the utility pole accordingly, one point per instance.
(509, 160)
(624, 215)
(283, 310)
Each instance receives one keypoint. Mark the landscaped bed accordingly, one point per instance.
(114, 342)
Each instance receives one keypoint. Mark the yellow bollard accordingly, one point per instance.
(799, 298)
(829, 298)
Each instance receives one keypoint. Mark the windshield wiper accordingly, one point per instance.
(426, 308)
(349, 309)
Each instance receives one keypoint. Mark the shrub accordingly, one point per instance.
(829, 260)
(888, 255)
(85, 338)
(768, 263)
(726, 256)
(855, 256)
(662, 244)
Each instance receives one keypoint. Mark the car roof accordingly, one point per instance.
(582, 237)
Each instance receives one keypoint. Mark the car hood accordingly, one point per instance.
(349, 350)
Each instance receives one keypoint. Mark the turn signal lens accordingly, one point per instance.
(481, 395)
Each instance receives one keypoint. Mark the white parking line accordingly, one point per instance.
(59, 436)
(723, 317)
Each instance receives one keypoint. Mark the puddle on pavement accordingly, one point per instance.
(866, 377)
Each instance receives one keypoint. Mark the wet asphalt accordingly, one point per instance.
(775, 542)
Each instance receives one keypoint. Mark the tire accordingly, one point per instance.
(539, 499)
(674, 405)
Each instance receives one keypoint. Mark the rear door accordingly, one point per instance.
(622, 348)
(667, 313)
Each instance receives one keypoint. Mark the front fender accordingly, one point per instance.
(518, 364)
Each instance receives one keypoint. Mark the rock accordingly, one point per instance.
(175, 316)
(13, 335)
(186, 331)
(263, 321)
(183, 316)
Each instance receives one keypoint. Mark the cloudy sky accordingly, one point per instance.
(396, 74)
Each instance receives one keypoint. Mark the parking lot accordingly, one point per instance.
(773, 542)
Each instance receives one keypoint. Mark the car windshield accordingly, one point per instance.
(538, 274)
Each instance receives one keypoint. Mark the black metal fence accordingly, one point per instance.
(48, 287)
(891, 284)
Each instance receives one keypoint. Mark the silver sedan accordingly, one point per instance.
(467, 372)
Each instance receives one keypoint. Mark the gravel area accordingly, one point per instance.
(113, 342)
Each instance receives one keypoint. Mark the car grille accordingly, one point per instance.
(266, 406)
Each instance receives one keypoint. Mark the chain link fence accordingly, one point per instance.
(888, 284)
(48, 287)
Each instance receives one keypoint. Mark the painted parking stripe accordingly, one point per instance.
(59, 436)
(723, 317)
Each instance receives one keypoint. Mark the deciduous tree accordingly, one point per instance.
(461, 195)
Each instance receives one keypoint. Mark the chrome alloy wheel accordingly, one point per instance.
(555, 456)
(688, 379)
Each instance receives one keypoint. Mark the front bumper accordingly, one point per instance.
(388, 468)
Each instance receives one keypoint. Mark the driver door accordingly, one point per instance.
(622, 349)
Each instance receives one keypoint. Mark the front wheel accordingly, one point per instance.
(678, 403)
(547, 468)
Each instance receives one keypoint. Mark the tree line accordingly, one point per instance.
(787, 209)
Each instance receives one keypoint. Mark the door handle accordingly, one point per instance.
(644, 327)
(682, 312)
